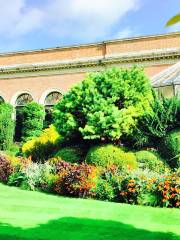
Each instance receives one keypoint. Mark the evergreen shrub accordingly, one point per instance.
(72, 154)
(150, 160)
(108, 154)
(6, 126)
(33, 115)
(104, 106)
(42, 147)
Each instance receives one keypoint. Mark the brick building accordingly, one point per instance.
(44, 75)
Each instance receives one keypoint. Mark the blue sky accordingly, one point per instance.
(33, 24)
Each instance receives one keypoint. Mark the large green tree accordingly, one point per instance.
(105, 105)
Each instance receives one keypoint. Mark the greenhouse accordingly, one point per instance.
(167, 82)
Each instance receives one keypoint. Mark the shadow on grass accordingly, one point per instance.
(81, 229)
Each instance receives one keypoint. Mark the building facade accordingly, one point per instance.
(45, 75)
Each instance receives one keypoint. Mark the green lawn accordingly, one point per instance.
(38, 216)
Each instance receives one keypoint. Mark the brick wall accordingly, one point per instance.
(94, 50)
(10, 88)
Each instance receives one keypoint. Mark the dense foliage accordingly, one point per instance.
(75, 180)
(162, 190)
(33, 115)
(139, 186)
(5, 169)
(104, 106)
(42, 147)
(73, 154)
(6, 126)
(154, 125)
(114, 139)
(150, 160)
(108, 154)
(170, 148)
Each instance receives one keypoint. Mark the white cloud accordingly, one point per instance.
(30, 21)
(78, 19)
(125, 33)
(17, 18)
(89, 19)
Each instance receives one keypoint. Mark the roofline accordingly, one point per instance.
(90, 44)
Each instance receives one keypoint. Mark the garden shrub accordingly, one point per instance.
(49, 182)
(35, 175)
(108, 154)
(42, 147)
(104, 106)
(167, 190)
(16, 162)
(138, 186)
(6, 126)
(13, 150)
(108, 183)
(150, 160)
(33, 115)
(148, 199)
(73, 154)
(61, 167)
(13, 168)
(16, 179)
(5, 169)
(77, 181)
(161, 190)
(104, 190)
(135, 190)
(170, 148)
(156, 123)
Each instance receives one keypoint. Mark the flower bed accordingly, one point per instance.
(110, 183)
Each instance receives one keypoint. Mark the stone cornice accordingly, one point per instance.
(157, 36)
(142, 57)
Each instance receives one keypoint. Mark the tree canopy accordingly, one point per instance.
(104, 105)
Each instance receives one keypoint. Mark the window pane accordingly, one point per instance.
(166, 91)
(23, 99)
(53, 98)
(177, 89)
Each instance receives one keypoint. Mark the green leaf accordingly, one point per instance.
(175, 19)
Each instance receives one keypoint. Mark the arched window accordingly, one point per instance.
(1, 100)
(50, 101)
(21, 101)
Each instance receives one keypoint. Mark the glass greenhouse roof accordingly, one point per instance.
(170, 76)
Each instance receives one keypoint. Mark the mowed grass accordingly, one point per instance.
(37, 216)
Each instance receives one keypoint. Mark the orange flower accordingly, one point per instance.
(172, 195)
(130, 184)
(165, 192)
(177, 190)
(131, 180)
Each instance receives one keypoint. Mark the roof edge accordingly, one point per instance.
(90, 44)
